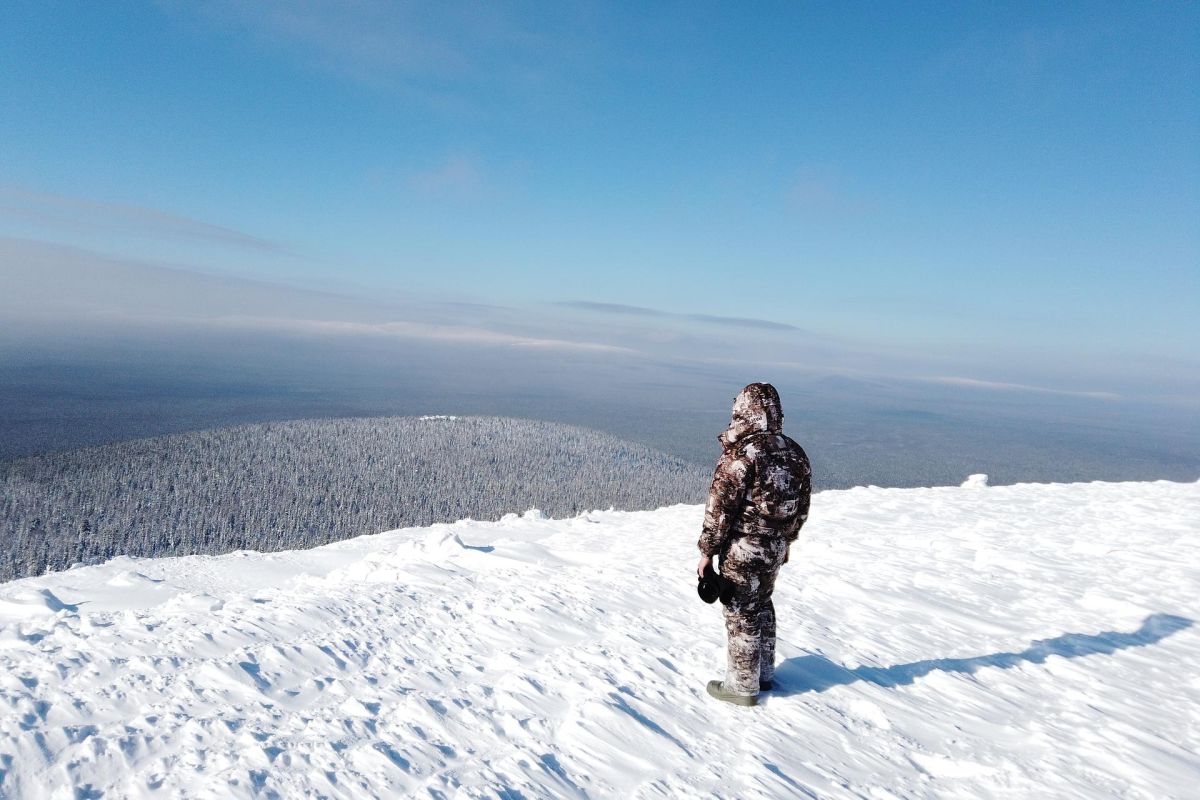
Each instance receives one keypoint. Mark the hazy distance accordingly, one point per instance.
(97, 350)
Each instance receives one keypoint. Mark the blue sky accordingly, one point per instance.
(1013, 187)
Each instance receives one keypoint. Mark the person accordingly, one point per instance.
(758, 502)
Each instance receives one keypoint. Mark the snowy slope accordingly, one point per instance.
(1018, 641)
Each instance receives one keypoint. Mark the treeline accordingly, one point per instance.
(286, 485)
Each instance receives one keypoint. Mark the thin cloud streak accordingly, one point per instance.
(75, 213)
(360, 41)
(621, 308)
(951, 380)
(73, 289)
(431, 51)
(456, 334)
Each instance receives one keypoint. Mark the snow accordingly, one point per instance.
(1006, 641)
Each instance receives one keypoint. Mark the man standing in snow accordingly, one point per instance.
(756, 506)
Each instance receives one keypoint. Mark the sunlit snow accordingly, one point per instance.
(1015, 641)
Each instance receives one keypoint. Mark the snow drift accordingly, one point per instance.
(1028, 640)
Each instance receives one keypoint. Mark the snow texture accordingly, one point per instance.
(1015, 641)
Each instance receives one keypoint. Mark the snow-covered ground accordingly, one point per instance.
(1018, 641)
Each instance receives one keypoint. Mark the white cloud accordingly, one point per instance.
(822, 191)
(458, 177)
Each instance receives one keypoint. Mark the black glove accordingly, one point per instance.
(713, 586)
(708, 586)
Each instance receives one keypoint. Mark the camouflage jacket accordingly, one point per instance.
(763, 479)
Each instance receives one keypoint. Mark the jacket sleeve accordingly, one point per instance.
(805, 501)
(725, 498)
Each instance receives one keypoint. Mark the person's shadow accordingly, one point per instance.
(813, 673)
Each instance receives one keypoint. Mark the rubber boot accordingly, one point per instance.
(717, 690)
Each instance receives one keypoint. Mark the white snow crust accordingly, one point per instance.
(983, 642)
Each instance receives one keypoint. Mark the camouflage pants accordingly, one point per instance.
(751, 564)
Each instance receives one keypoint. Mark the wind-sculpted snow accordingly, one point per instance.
(307, 483)
(1016, 641)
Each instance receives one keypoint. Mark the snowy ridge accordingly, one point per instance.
(1021, 641)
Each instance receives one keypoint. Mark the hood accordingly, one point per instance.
(756, 410)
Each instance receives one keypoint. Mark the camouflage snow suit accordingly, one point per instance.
(758, 501)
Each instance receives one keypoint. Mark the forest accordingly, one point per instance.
(299, 484)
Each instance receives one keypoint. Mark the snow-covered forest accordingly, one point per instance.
(285, 485)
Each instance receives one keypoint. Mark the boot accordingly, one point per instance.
(717, 690)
